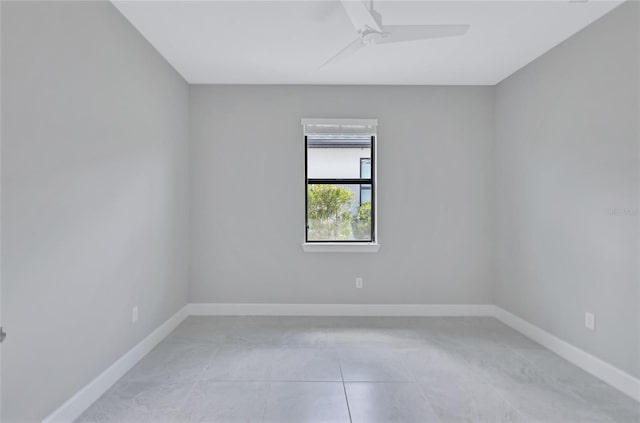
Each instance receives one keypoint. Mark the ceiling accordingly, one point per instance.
(286, 42)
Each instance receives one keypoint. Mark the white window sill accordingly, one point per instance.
(340, 247)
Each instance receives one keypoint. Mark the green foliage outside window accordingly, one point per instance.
(329, 214)
(362, 221)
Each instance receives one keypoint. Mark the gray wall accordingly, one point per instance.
(567, 183)
(94, 197)
(247, 191)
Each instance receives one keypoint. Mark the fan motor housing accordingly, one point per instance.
(371, 37)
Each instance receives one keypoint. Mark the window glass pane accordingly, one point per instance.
(337, 157)
(365, 193)
(334, 213)
(365, 168)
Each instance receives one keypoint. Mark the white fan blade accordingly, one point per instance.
(352, 48)
(360, 16)
(400, 33)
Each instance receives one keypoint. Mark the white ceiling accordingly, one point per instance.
(285, 42)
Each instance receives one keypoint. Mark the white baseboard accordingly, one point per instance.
(78, 403)
(615, 377)
(264, 309)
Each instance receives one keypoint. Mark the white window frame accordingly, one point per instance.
(364, 125)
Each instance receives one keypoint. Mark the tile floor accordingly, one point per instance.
(362, 369)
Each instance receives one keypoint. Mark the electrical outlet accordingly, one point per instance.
(134, 314)
(590, 321)
(358, 283)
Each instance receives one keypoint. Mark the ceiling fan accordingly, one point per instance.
(368, 24)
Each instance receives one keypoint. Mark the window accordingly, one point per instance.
(340, 180)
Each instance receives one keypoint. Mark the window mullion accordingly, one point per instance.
(326, 181)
